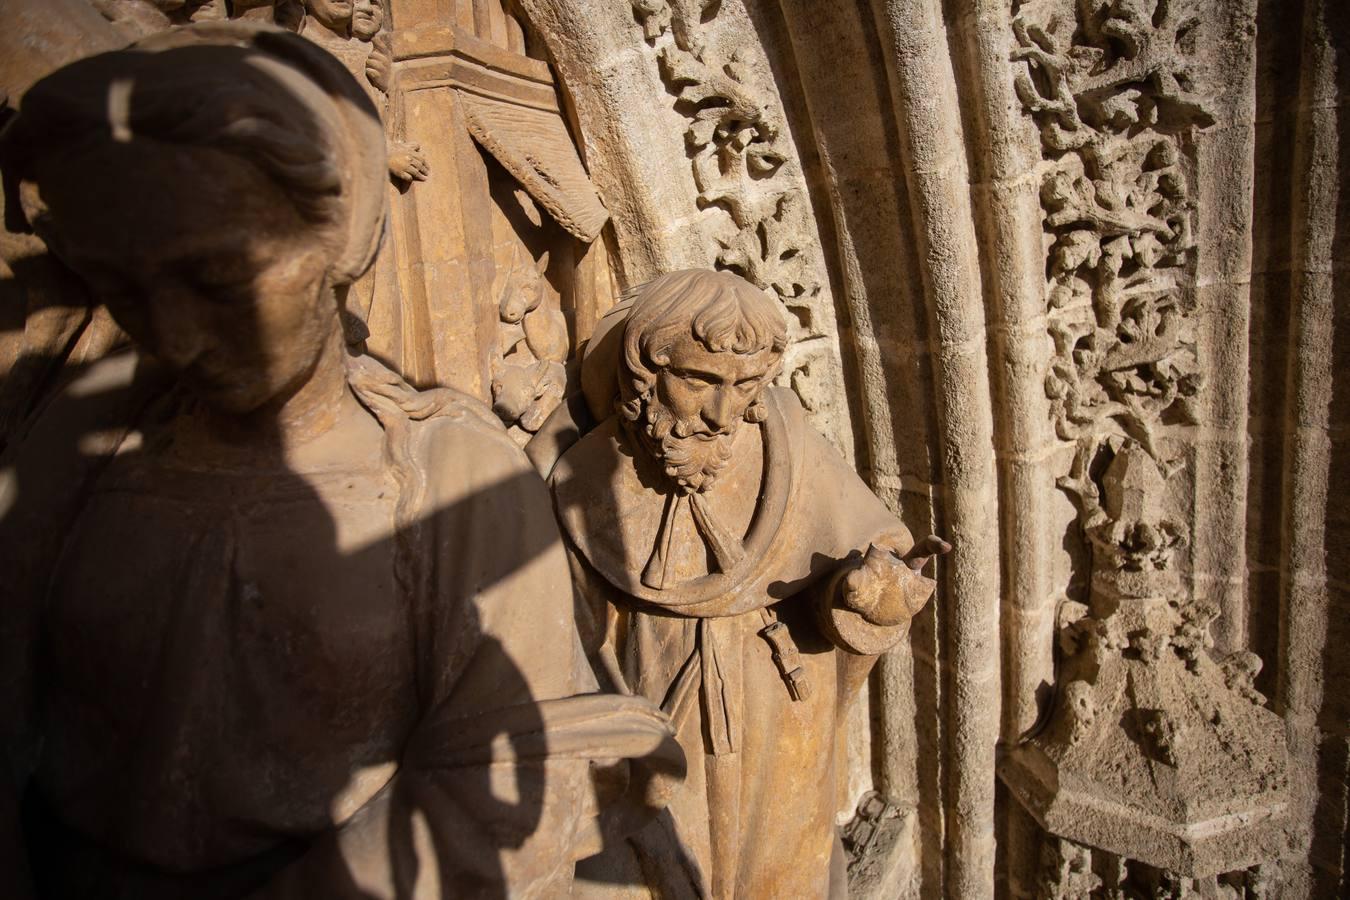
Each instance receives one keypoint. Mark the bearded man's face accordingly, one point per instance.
(696, 406)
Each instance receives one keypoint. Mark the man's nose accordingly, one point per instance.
(718, 411)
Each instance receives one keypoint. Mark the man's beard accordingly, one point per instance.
(691, 455)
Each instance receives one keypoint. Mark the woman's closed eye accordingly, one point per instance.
(218, 275)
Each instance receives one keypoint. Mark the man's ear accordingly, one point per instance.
(757, 411)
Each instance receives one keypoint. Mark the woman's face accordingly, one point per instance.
(200, 257)
(367, 19)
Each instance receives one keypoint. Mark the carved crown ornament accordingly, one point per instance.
(1156, 756)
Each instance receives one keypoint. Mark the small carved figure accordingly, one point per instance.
(368, 26)
(355, 39)
(363, 46)
(310, 630)
(528, 374)
(737, 572)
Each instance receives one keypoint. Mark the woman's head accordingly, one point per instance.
(216, 186)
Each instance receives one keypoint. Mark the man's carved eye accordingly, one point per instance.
(746, 383)
(696, 379)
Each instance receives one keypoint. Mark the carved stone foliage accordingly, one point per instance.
(743, 165)
(1111, 84)
(1159, 767)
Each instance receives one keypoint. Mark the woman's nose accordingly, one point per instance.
(177, 336)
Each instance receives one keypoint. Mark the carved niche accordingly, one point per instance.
(502, 258)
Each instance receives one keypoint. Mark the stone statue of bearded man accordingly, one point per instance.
(736, 571)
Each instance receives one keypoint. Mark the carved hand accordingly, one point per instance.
(380, 64)
(406, 161)
(885, 588)
(924, 549)
(381, 385)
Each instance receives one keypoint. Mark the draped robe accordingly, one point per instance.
(755, 818)
(245, 689)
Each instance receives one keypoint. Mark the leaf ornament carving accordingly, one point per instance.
(1111, 85)
(739, 162)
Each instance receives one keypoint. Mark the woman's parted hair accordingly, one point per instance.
(266, 96)
(721, 310)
